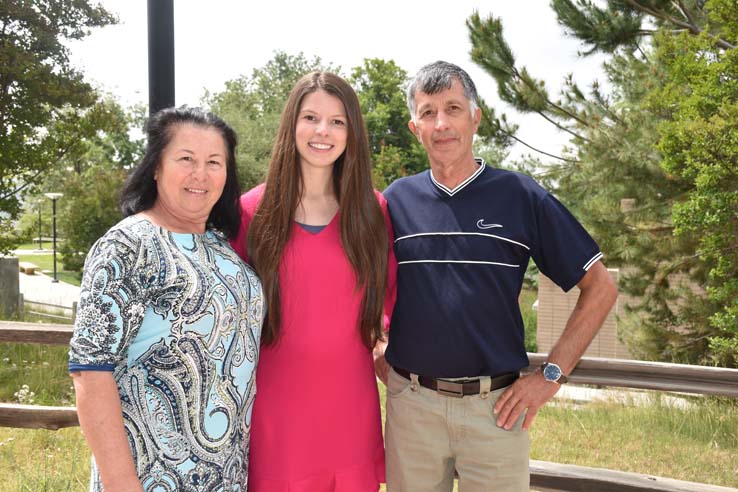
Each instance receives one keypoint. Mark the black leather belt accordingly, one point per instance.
(461, 388)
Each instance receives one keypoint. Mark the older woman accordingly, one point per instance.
(169, 321)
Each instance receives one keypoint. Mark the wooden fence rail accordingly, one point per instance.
(43, 333)
(554, 477)
(544, 476)
(37, 417)
(24, 304)
(590, 370)
(660, 376)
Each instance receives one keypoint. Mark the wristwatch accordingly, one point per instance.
(552, 372)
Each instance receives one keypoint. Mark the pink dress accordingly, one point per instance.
(316, 424)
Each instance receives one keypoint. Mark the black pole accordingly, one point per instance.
(53, 214)
(40, 244)
(161, 54)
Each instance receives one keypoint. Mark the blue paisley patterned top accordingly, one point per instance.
(177, 319)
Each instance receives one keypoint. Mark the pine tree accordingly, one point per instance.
(619, 173)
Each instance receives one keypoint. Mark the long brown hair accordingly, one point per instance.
(363, 231)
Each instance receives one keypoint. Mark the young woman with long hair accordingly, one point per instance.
(319, 237)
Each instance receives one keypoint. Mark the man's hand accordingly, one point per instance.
(381, 367)
(527, 394)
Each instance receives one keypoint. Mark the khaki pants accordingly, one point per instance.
(429, 435)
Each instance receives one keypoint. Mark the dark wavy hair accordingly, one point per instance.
(139, 191)
(363, 231)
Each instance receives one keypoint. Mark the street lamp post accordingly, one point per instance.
(40, 243)
(54, 197)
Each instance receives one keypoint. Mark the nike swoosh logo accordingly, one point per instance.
(482, 225)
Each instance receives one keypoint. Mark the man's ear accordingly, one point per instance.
(413, 129)
(477, 118)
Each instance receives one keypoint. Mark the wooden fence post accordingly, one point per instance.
(9, 286)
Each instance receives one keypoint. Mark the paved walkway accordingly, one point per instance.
(40, 288)
(579, 395)
(33, 252)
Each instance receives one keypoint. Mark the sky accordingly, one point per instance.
(220, 40)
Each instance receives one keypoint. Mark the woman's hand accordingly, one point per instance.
(381, 367)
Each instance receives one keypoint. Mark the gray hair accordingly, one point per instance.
(439, 76)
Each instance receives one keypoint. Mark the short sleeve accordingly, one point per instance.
(113, 299)
(564, 250)
(249, 203)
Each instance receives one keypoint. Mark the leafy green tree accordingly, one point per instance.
(699, 144)
(99, 168)
(89, 212)
(90, 176)
(379, 86)
(113, 137)
(396, 152)
(253, 105)
(41, 94)
(109, 145)
(631, 146)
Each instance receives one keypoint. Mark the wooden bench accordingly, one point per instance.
(28, 268)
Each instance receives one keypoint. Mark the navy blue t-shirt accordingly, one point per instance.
(462, 255)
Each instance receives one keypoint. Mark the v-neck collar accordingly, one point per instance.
(463, 184)
(296, 225)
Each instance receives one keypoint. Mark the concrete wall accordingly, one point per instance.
(8, 286)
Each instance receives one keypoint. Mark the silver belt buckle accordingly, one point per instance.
(449, 388)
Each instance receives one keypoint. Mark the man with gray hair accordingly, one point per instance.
(464, 233)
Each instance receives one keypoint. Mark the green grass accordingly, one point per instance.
(43, 461)
(43, 368)
(33, 246)
(698, 444)
(40, 460)
(530, 318)
(46, 263)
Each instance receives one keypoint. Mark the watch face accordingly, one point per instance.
(552, 372)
